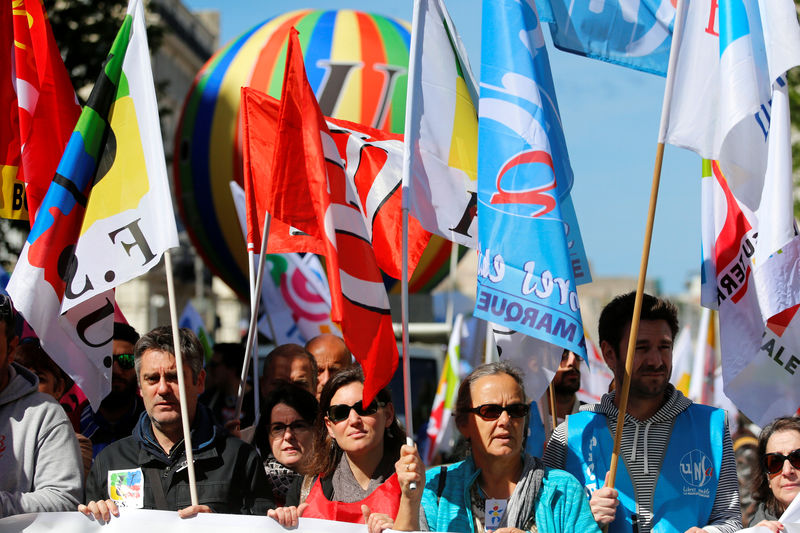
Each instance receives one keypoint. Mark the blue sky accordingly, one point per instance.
(610, 116)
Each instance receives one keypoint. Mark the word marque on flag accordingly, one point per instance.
(107, 216)
(313, 189)
(39, 107)
(373, 162)
(530, 253)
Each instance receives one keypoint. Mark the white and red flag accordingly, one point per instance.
(314, 190)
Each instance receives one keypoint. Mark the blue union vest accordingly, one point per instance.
(688, 477)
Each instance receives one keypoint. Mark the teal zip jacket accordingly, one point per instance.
(562, 505)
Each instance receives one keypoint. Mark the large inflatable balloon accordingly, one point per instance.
(356, 64)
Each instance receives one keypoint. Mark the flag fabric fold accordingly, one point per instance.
(441, 146)
(373, 163)
(106, 218)
(635, 34)
(530, 254)
(731, 63)
(40, 108)
(313, 190)
(294, 292)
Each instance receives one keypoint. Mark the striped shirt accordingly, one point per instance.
(643, 447)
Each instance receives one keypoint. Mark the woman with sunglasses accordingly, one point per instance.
(776, 479)
(285, 436)
(499, 487)
(363, 471)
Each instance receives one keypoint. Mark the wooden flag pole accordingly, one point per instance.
(251, 330)
(176, 338)
(648, 236)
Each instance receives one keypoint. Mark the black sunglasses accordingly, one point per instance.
(773, 462)
(125, 360)
(339, 412)
(492, 411)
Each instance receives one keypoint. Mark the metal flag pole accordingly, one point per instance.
(251, 330)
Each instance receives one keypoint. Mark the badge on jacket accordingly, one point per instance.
(126, 488)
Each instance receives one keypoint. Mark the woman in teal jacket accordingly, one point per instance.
(498, 487)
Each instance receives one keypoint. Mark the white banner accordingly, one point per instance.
(136, 521)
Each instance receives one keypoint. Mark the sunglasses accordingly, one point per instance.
(492, 411)
(279, 430)
(125, 360)
(773, 462)
(337, 413)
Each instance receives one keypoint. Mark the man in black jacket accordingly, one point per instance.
(148, 469)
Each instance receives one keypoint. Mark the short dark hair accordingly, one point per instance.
(292, 351)
(464, 394)
(327, 454)
(8, 316)
(31, 355)
(125, 332)
(760, 480)
(618, 313)
(161, 339)
(289, 394)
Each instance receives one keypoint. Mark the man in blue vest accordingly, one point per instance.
(677, 471)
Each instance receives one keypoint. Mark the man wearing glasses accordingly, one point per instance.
(40, 465)
(120, 410)
(148, 470)
(676, 469)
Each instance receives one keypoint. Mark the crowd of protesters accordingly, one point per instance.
(316, 450)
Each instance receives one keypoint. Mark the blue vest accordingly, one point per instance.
(534, 441)
(688, 477)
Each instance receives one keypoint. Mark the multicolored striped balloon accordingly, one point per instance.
(356, 63)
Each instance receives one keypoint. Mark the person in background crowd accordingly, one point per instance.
(362, 474)
(147, 470)
(226, 362)
(776, 478)
(53, 381)
(120, 410)
(566, 384)
(665, 436)
(331, 355)
(499, 487)
(745, 448)
(285, 436)
(40, 464)
(290, 363)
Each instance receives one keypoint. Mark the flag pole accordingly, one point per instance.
(452, 278)
(251, 330)
(648, 236)
(415, 48)
(256, 385)
(176, 339)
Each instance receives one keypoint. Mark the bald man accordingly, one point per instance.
(332, 357)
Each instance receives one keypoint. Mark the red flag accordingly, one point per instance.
(311, 191)
(39, 109)
(373, 162)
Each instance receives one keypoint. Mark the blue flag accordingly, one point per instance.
(531, 253)
(631, 33)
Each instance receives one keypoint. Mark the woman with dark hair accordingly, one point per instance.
(776, 478)
(363, 470)
(285, 436)
(499, 487)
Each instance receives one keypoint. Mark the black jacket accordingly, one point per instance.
(229, 473)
